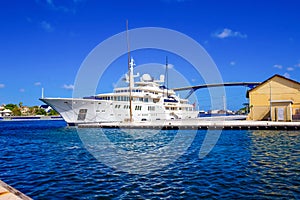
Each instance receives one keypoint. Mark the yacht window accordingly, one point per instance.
(151, 108)
(82, 114)
(155, 100)
(138, 107)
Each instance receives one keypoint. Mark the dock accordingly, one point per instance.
(200, 124)
(8, 192)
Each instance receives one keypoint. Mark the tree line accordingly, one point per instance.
(20, 110)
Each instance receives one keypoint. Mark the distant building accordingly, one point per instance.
(25, 110)
(5, 112)
(220, 112)
(275, 99)
(46, 108)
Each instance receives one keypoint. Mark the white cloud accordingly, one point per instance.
(62, 6)
(232, 63)
(226, 32)
(170, 66)
(68, 87)
(297, 65)
(37, 83)
(2, 85)
(278, 66)
(287, 75)
(22, 90)
(47, 26)
(290, 68)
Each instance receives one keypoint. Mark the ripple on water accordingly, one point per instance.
(46, 160)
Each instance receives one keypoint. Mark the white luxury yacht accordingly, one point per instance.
(144, 100)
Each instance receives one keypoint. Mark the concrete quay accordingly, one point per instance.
(215, 123)
(8, 192)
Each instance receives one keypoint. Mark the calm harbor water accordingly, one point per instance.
(46, 160)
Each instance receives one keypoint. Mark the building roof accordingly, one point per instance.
(44, 106)
(276, 75)
(5, 111)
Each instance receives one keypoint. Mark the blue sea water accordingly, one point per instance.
(47, 160)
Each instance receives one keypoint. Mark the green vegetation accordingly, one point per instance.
(10, 106)
(16, 111)
(21, 110)
(40, 111)
(244, 110)
(53, 112)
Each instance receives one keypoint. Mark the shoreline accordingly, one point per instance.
(28, 118)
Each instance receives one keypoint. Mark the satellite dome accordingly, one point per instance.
(146, 78)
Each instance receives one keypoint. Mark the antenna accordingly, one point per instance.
(129, 73)
(166, 83)
(42, 93)
(128, 47)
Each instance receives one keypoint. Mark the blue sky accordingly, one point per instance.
(44, 42)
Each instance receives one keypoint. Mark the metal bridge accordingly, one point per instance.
(196, 87)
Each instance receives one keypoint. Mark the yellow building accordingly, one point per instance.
(276, 99)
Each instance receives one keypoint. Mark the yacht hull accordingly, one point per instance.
(83, 111)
